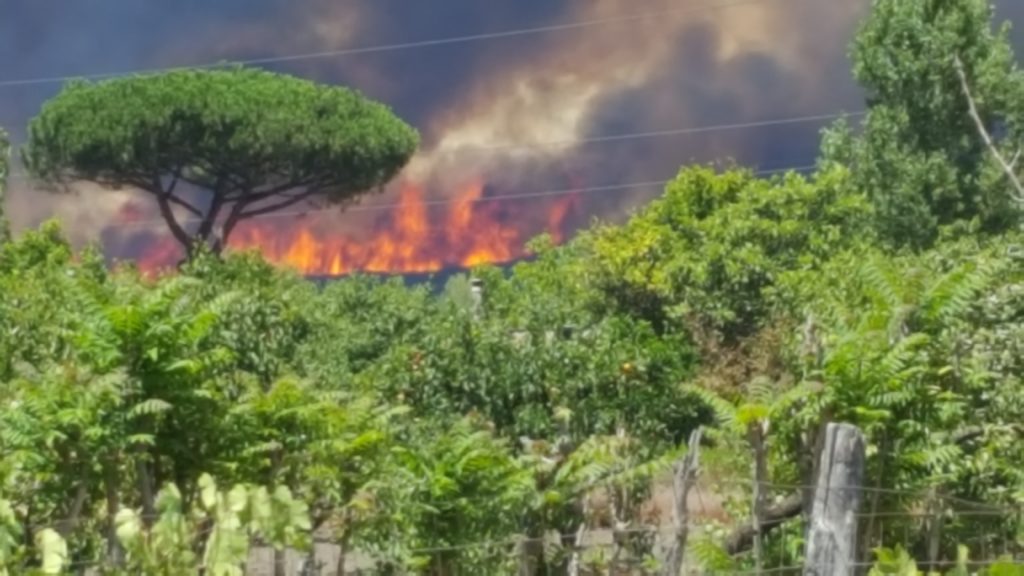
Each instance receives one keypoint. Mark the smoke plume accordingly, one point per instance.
(505, 115)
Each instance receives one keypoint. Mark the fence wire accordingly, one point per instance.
(931, 534)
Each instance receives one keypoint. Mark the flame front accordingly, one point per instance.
(410, 236)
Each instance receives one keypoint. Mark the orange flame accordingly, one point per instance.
(412, 236)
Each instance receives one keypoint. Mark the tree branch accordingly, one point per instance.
(210, 218)
(150, 185)
(983, 132)
(268, 208)
(280, 189)
(163, 200)
(239, 213)
(231, 221)
(66, 526)
(742, 538)
(972, 433)
(178, 201)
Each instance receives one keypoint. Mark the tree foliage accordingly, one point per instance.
(219, 146)
(920, 158)
(712, 251)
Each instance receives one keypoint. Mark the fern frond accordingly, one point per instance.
(954, 292)
(711, 555)
(901, 355)
(150, 407)
(881, 282)
(725, 411)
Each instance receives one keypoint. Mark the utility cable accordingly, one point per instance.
(639, 135)
(392, 47)
(449, 201)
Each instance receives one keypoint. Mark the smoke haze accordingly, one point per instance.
(509, 112)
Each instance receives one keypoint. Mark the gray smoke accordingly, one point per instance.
(509, 110)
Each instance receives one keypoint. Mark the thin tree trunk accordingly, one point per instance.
(343, 542)
(531, 553)
(934, 529)
(115, 554)
(66, 526)
(760, 477)
(816, 445)
(145, 479)
(876, 498)
(28, 527)
(280, 553)
(619, 500)
(576, 558)
(619, 528)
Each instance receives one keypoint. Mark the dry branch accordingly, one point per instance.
(741, 539)
(972, 109)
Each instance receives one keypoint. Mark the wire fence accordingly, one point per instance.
(930, 526)
(640, 550)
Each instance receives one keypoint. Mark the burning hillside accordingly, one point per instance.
(413, 235)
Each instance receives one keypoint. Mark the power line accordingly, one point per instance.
(393, 47)
(448, 201)
(640, 135)
(680, 131)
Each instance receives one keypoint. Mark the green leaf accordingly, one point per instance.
(1005, 567)
(238, 499)
(128, 526)
(207, 491)
(150, 407)
(53, 551)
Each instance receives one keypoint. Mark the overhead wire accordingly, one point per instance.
(682, 131)
(489, 199)
(719, 5)
(678, 131)
(472, 38)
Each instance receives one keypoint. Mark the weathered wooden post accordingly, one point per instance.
(684, 479)
(832, 539)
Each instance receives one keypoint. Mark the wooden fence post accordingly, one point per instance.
(684, 479)
(832, 539)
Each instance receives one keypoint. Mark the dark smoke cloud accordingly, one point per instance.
(766, 59)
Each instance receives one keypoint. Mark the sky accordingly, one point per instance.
(518, 111)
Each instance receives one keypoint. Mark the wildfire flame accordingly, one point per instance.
(410, 236)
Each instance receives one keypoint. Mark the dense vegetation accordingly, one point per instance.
(155, 425)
